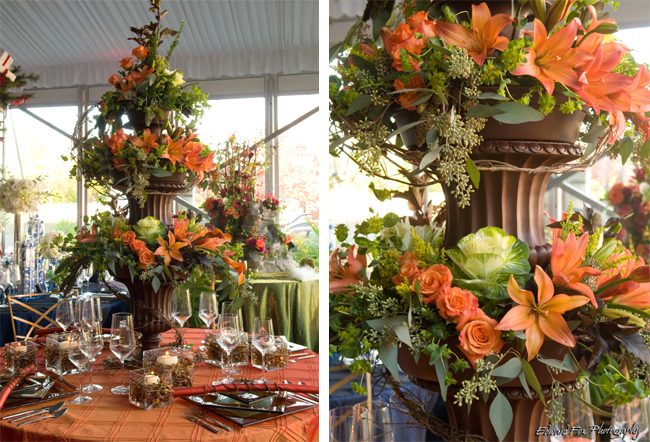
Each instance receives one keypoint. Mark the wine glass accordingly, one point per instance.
(228, 338)
(263, 340)
(346, 424)
(208, 308)
(576, 416)
(90, 312)
(78, 357)
(65, 314)
(632, 416)
(181, 306)
(122, 343)
(4, 285)
(92, 341)
(377, 422)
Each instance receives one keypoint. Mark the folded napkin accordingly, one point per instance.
(15, 380)
(193, 391)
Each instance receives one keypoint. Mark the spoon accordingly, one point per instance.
(57, 414)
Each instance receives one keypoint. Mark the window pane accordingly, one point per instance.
(40, 150)
(298, 158)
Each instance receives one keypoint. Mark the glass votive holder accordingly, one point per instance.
(57, 347)
(180, 363)
(276, 358)
(19, 355)
(149, 389)
(216, 356)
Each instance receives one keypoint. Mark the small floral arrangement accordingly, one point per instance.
(479, 306)
(50, 245)
(632, 203)
(270, 202)
(129, 161)
(258, 244)
(18, 195)
(146, 82)
(426, 69)
(149, 250)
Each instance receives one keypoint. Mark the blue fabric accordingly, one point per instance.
(42, 304)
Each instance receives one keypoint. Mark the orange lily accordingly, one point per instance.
(484, 36)
(342, 276)
(169, 249)
(420, 24)
(635, 293)
(402, 37)
(116, 141)
(175, 150)
(221, 237)
(139, 77)
(552, 59)
(408, 98)
(541, 318)
(238, 267)
(194, 161)
(146, 142)
(180, 230)
(85, 237)
(566, 258)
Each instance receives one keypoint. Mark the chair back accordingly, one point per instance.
(43, 319)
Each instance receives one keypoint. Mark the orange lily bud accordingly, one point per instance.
(557, 13)
(606, 28)
(640, 274)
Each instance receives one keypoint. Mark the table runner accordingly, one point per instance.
(293, 306)
(112, 418)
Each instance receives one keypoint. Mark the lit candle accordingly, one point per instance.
(167, 359)
(151, 379)
(20, 348)
(67, 345)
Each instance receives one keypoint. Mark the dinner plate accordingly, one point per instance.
(59, 388)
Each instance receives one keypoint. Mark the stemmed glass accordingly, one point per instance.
(228, 338)
(263, 340)
(65, 314)
(122, 343)
(90, 312)
(576, 416)
(4, 285)
(634, 414)
(181, 306)
(92, 344)
(226, 308)
(208, 308)
(77, 355)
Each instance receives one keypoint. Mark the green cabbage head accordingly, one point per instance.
(148, 229)
(483, 262)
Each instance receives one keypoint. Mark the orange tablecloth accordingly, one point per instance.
(111, 417)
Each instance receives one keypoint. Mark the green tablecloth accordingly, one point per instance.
(292, 304)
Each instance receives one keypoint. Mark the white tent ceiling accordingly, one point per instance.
(77, 42)
(630, 14)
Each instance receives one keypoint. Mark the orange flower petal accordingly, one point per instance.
(518, 318)
(523, 297)
(555, 327)
(534, 340)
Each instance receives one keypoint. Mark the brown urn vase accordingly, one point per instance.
(528, 414)
(511, 200)
(138, 122)
(143, 295)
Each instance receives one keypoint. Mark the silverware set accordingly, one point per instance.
(198, 417)
(53, 411)
(313, 397)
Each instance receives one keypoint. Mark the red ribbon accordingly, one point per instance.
(18, 377)
(194, 391)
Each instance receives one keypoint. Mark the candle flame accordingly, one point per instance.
(166, 353)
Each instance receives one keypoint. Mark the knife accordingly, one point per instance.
(38, 410)
(57, 414)
(302, 357)
(53, 409)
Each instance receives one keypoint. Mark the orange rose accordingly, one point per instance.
(455, 303)
(478, 338)
(138, 246)
(209, 204)
(128, 237)
(114, 79)
(126, 63)
(147, 258)
(140, 52)
(432, 281)
(408, 98)
(117, 233)
(406, 258)
(408, 272)
(616, 194)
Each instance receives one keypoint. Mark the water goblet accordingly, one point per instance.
(263, 340)
(64, 315)
(228, 338)
(92, 341)
(77, 355)
(208, 308)
(122, 343)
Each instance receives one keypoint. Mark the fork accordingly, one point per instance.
(201, 415)
(190, 417)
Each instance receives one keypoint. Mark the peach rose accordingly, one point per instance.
(126, 63)
(408, 272)
(138, 246)
(478, 338)
(432, 281)
(406, 258)
(140, 52)
(128, 237)
(114, 79)
(616, 194)
(454, 303)
(147, 258)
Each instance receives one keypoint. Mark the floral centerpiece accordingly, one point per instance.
(632, 202)
(477, 316)
(444, 77)
(50, 244)
(19, 195)
(146, 91)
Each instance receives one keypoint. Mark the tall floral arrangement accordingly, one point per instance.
(478, 314)
(425, 69)
(19, 195)
(632, 203)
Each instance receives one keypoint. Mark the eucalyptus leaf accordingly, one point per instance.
(430, 156)
(491, 96)
(432, 136)
(441, 372)
(402, 129)
(627, 146)
(473, 172)
(509, 370)
(532, 379)
(388, 355)
(517, 113)
(359, 103)
(155, 283)
(402, 332)
(501, 415)
(364, 64)
(553, 363)
(483, 111)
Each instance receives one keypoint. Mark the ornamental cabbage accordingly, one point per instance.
(483, 262)
(149, 228)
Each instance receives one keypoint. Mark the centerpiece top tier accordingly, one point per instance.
(143, 143)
